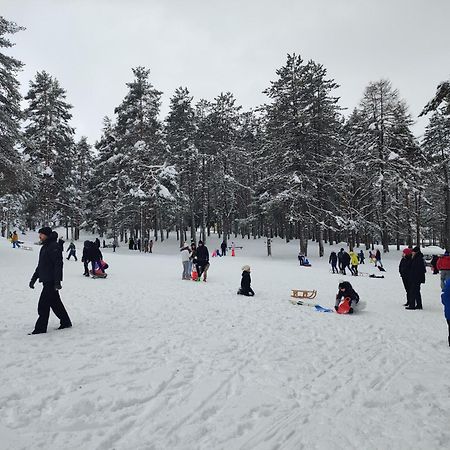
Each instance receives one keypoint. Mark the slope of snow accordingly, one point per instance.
(154, 362)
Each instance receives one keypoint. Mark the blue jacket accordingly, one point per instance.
(445, 298)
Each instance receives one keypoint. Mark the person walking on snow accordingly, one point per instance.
(346, 291)
(333, 261)
(49, 272)
(202, 259)
(185, 252)
(15, 240)
(72, 251)
(417, 277)
(443, 265)
(445, 298)
(85, 257)
(246, 280)
(223, 247)
(361, 257)
(354, 261)
(405, 270)
(378, 259)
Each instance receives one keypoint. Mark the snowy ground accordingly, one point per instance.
(154, 362)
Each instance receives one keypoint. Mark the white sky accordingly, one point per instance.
(213, 46)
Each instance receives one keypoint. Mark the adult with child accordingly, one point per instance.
(202, 257)
(417, 277)
(246, 280)
(49, 272)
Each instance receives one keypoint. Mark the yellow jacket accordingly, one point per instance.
(354, 261)
(15, 237)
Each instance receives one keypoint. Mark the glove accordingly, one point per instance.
(336, 308)
(31, 284)
(58, 285)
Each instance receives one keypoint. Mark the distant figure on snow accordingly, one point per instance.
(361, 257)
(417, 277)
(333, 261)
(354, 261)
(246, 280)
(223, 247)
(72, 251)
(15, 240)
(202, 260)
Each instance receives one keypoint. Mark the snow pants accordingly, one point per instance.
(72, 253)
(414, 296)
(334, 268)
(50, 299)
(248, 293)
(15, 244)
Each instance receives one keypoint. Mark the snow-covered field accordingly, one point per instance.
(154, 362)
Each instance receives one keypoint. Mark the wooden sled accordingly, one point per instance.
(301, 293)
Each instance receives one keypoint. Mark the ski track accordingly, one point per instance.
(154, 362)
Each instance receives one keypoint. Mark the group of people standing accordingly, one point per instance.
(136, 244)
(194, 255)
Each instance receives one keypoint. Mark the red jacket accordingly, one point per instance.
(443, 263)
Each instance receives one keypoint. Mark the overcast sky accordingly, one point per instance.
(213, 46)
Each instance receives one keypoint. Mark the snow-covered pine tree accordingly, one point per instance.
(49, 145)
(302, 124)
(386, 155)
(436, 145)
(11, 173)
(180, 133)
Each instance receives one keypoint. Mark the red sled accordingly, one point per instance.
(344, 306)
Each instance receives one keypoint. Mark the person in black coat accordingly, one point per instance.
(95, 257)
(346, 291)
(85, 257)
(223, 247)
(202, 256)
(333, 261)
(405, 270)
(49, 272)
(246, 280)
(417, 277)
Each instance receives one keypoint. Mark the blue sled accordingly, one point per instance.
(322, 309)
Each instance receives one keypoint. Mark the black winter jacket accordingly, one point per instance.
(405, 267)
(202, 254)
(417, 271)
(333, 258)
(50, 264)
(245, 281)
(348, 292)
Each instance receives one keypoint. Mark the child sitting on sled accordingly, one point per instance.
(346, 291)
(245, 288)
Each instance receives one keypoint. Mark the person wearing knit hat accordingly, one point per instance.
(416, 278)
(49, 271)
(246, 280)
(405, 270)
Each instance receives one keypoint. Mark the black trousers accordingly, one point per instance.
(414, 297)
(50, 299)
(334, 268)
(448, 322)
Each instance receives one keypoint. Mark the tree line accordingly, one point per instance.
(295, 167)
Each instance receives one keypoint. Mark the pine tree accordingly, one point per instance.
(11, 173)
(49, 144)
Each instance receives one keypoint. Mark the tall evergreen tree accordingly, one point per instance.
(49, 144)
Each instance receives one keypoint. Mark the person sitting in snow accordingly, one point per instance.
(246, 280)
(346, 291)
